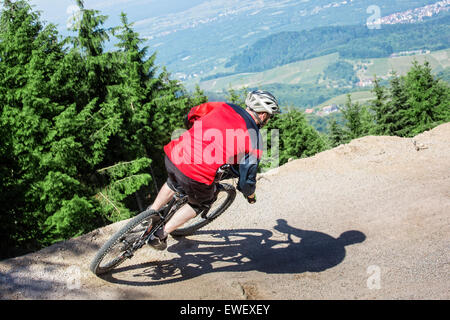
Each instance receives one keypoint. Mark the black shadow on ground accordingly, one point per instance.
(242, 250)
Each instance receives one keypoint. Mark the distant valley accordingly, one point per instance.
(198, 41)
(301, 84)
(344, 59)
(310, 54)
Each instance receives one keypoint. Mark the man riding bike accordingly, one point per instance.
(193, 159)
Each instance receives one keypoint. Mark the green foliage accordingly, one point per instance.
(410, 105)
(297, 138)
(427, 98)
(29, 56)
(82, 129)
(198, 97)
(124, 179)
(389, 106)
(237, 96)
(351, 42)
(341, 70)
(380, 108)
(74, 212)
(336, 133)
(359, 120)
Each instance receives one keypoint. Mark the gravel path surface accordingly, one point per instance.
(366, 220)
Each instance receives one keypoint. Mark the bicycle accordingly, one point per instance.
(135, 234)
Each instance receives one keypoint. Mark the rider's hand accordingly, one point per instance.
(251, 199)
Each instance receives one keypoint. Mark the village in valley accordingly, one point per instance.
(414, 15)
(323, 111)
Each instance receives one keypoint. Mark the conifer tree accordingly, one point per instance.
(352, 115)
(198, 97)
(381, 107)
(237, 96)
(82, 129)
(427, 100)
(133, 99)
(395, 119)
(297, 138)
(29, 55)
(81, 132)
(368, 126)
(336, 133)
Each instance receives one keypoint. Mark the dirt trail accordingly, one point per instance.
(366, 220)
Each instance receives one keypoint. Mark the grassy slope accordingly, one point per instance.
(308, 71)
(438, 60)
(359, 96)
(293, 73)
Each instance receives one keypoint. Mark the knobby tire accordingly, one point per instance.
(115, 240)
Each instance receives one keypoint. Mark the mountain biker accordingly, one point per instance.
(193, 159)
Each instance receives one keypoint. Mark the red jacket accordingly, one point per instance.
(219, 133)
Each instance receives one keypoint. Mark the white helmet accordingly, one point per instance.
(262, 101)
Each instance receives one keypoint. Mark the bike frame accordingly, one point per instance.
(178, 200)
(174, 204)
(156, 220)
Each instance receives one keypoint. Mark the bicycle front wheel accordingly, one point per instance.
(225, 197)
(124, 243)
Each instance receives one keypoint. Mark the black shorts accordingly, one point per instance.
(200, 195)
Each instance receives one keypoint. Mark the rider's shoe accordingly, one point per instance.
(156, 242)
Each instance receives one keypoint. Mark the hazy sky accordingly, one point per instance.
(59, 11)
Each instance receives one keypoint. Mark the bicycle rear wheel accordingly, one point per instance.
(225, 197)
(125, 242)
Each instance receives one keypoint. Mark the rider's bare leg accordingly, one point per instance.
(180, 217)
(164, 196)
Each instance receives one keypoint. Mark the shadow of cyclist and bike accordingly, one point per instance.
(289, 250)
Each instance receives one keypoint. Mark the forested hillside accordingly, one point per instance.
(82, 128)
(350, 42)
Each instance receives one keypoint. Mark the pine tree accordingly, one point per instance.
(82, 129)
(81, 133)
(427, 100)
(106, 119)
(237, 96)
(90, 69)
(396, 119)
(297, 138)
(198, 97)
(133, 99)
(25, 112)
(54, 143)
(352, 115)
(382, 109)
(336, 133)
(413, 103)
(368, 126)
